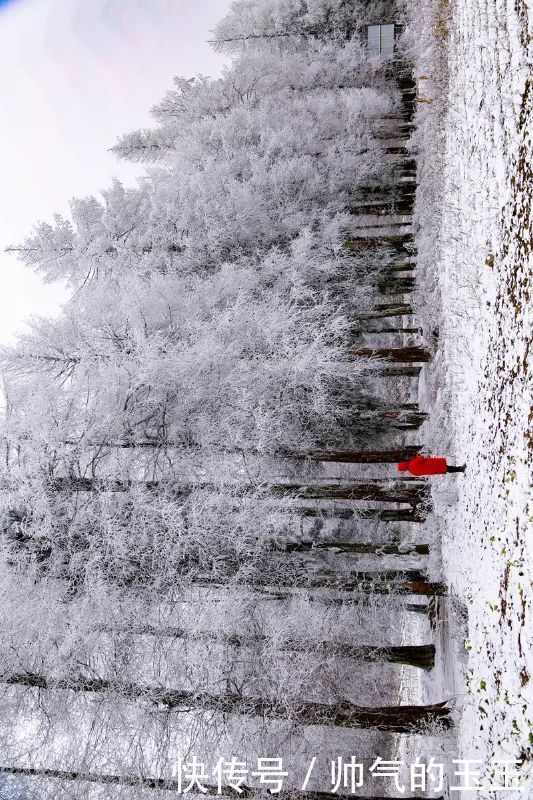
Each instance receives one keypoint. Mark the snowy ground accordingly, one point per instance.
(475, 147)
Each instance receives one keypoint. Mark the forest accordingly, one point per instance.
(207, 554)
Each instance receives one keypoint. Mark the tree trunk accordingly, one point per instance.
(398, 117)
(397, 719)
(413, 493)
(382, 224)
(356, 548)
(386, 582)
(396, 492)
(399, 419)
(398, 355)
(407, 170)
(393, 133)
(103, 779)
(404, 80)
(402, 242)
(385, 193)
(393, 514)
(397, 372)
(123, 443)
(339, 456)
(420, 656)
(400, 331)
(174, 785)
(389, 310)
(397, 284)
(392, 581)
(271, 593)
(419, 588)
(61, 484)
(397, 150)
(417, 608)
(397, 266)
(358, 456)
(385, 515)
(401, 206)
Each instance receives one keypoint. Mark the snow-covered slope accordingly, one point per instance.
(474, 223)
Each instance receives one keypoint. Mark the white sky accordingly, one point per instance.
(74, 74)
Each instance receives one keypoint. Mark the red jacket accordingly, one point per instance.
(424, 465)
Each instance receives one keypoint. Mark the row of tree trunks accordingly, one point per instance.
(396, 719)
(175, 785)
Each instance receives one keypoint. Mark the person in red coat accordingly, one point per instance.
(428, 465)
